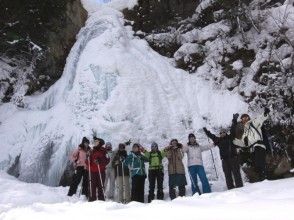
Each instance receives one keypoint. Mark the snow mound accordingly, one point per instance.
(268, 200)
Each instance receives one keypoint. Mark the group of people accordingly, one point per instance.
(100, 168)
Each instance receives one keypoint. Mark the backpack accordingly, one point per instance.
(158, 155)
(264, 137)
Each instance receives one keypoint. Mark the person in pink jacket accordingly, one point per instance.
(79, 157)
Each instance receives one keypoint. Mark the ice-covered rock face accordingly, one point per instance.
(116, 87)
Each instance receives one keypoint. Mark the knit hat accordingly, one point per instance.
(154, 145)
(101, 141)
(121, 146)
(85, 140)
(191, 135)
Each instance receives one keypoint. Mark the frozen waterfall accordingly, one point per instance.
(115, 86)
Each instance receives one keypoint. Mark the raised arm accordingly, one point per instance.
(213, 137)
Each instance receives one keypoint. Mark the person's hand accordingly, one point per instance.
(266, 111)
(167, 148)
(235, 116)
(128, 142)
(142, 149)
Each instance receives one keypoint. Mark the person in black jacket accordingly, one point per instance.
(229, 157)
(122, 174)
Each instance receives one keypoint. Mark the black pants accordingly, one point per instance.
(80, 173)
(231, 169)
(96, 185)
(155, 176)
(259, 162)
(138, 183)
(172, 192)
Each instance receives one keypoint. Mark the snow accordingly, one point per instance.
(268, 200)
(237, 65)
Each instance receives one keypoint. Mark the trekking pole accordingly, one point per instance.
(123, 182)
(100, 177)
(214, 164)
(90, 179)
(213, 160)
(117, 184)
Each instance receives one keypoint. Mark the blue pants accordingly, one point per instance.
(198, 170)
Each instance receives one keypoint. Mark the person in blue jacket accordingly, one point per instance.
(136, 163)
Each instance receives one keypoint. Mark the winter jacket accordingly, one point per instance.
(135, 162)
(155, 159)
(252, 135)
(175, 163)
(110, 155)
(117, 163)
(98, 156)
(226, 148)
(78, 157)
(194, 153)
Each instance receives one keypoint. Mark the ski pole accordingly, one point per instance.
(90, 179)
(214, 164)
(123, 182)
(117, 182)
(100, 177)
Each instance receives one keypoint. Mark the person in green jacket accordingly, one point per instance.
(155, 173)
(135, 161)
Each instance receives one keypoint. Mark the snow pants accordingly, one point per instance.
(96, 185)
(259, 162)
(155, 176)
(123, 186)
(198, 170)
(232, 173)
(80, 172)
(138, 184)
(110, 182)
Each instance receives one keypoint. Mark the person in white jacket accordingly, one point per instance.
(109, 173)
(195, 164)
(252, 138)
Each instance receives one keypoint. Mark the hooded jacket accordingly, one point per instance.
(252, 135)
(194, 153)
(78, 157)
(98, 156)
(175, 163)
(135, 162)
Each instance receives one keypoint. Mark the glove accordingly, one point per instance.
(235, 116)
(97, 161)
(128, 142)
(266, 111)
(205, 130)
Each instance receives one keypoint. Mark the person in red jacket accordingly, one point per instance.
(97, 161)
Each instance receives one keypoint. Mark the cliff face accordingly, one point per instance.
(35, 39)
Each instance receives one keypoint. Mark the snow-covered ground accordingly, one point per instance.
(269, 200)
